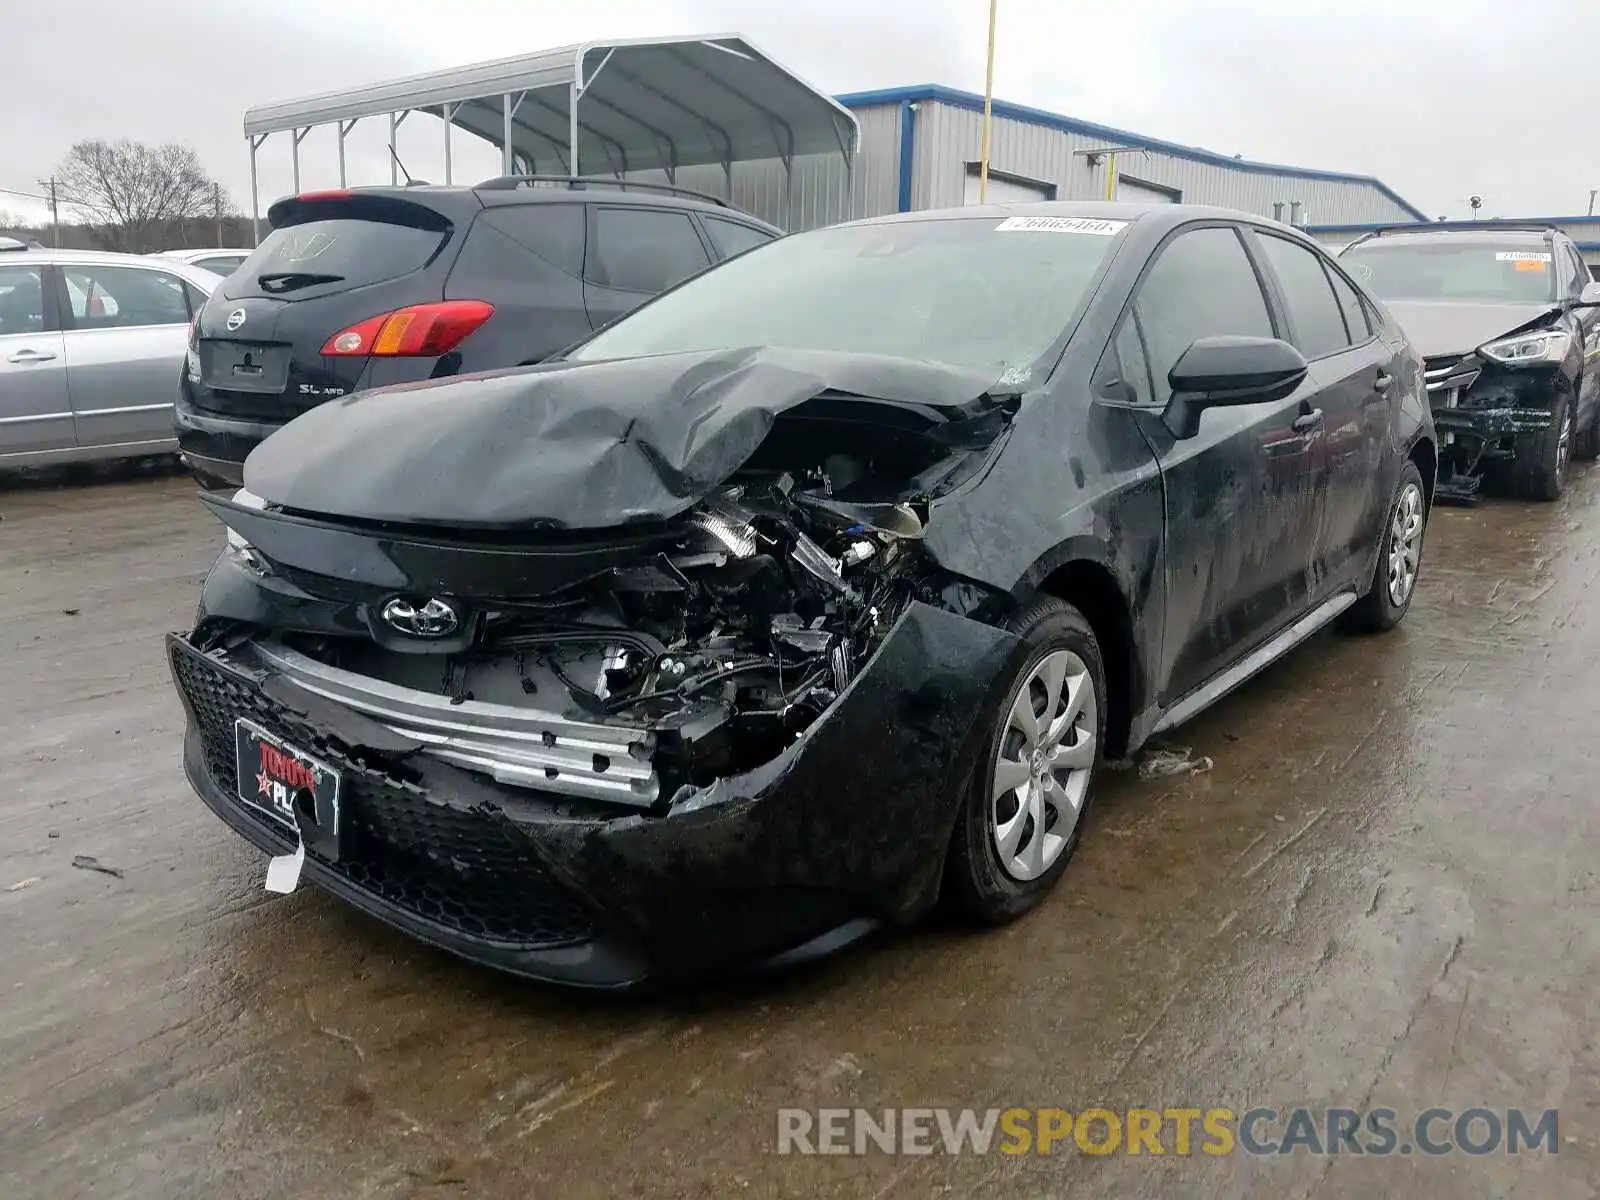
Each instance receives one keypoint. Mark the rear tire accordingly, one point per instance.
(1394, 582)
(1024, 808)
(1540, 466)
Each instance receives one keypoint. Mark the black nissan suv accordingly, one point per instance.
(1508, 323)
(366, 287)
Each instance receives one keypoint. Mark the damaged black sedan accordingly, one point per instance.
(1508, 322)
(810, 592)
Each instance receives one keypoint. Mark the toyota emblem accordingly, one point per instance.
(433, 619)
(235, 319)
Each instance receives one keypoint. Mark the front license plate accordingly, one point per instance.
(271, 771)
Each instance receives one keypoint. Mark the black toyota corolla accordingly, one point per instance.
(812, 591)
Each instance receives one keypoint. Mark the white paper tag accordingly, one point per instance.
(283, 872)
(1521, 256)
(1094, 225)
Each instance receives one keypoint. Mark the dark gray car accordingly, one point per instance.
(1507, 321)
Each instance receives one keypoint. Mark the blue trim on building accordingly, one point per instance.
(1462, 224)
(908, 141)
(1037, 116)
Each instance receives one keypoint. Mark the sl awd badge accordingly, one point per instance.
(434, 619)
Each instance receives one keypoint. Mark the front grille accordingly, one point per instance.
(469, 871)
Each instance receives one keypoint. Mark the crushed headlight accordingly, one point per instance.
(241, 551)
(1524, 349)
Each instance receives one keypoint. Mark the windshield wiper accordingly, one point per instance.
(288, 281)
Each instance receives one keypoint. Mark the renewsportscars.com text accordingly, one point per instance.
(1260, 1132)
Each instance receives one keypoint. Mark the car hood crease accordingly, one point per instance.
(573, 445)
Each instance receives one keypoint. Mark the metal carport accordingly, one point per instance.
(613, 108)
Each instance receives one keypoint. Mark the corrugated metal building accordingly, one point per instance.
(1584, 231)
(920, 146)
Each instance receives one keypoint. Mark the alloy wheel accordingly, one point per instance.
(1564, 443)
(1043, 763)
(1405, 544)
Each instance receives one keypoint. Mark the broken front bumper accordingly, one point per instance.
(847, 826)
(1490, 424)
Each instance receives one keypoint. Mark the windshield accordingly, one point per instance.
(1469, 271)
(980, 292)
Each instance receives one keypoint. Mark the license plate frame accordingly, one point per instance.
(268, 783)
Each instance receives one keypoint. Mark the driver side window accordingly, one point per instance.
(1202, 285)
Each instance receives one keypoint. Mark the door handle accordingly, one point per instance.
(1382, 382)
(29, 356)
(1308, 420)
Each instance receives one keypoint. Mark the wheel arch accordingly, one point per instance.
(1091, 588)
(1426, 455)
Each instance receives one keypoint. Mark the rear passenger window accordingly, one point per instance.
(1314, 312)
(1202, 286)
(554, 232)
(104, 297)
(644, 250)
(1355, 312)
(731, 238)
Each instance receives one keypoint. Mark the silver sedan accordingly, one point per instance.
(91, 346)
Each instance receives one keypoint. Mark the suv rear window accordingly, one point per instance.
(319, 257)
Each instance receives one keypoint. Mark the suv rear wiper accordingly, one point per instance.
(288, 281)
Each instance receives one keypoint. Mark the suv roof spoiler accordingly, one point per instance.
(579, 182)
(1448, 226)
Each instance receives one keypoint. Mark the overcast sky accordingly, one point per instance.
(1440, 101)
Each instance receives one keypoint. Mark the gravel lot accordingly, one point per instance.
(1385, 893)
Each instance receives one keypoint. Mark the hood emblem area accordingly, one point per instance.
(433, 618)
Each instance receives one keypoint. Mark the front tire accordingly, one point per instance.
(1024, 808)
(1394, 581)
(1586, 445)
(1540, 466)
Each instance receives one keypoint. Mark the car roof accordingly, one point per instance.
(1512, 235)
(50, 256)
(449, 198)
(207, 252)
(1163, 215)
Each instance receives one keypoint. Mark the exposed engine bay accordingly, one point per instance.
(723, 644)
(691, 636)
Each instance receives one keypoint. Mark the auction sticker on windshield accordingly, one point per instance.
(1093, 225)
(1522, 256)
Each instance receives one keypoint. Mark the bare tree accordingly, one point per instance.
(135, 196)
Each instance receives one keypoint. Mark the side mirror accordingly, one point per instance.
(1218, 371)
(1590, 296)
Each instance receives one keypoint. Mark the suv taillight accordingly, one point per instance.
(421, 330)
(191, 356)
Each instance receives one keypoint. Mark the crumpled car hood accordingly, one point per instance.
(1444, 327)
(571, 445)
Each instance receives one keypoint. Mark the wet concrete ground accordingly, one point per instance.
(1386, 893)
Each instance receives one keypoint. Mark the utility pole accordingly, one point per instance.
(988, 109)
(216, 207)
(1592, 193)
(49, 186)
